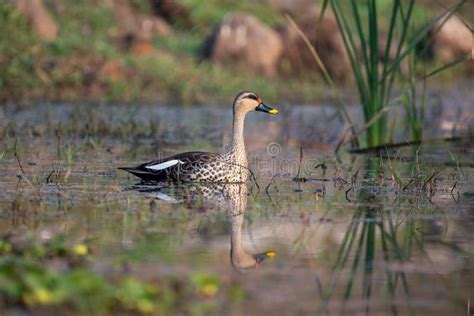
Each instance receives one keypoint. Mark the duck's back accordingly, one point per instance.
(192, 167)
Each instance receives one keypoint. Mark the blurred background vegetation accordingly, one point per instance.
(187, 51)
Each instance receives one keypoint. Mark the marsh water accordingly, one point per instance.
(313, 233)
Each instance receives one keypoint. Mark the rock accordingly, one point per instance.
(242, 40)
(134, 29)
(392, 53)
(111, 70)
(297, 9)
(324, 37)
(39, 18)
(454, 40)
(172, 11)
(142, 48)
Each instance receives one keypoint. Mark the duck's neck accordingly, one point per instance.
(239, 258)
(236, 234)
(238, 144)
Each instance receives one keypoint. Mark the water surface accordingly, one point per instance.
(386, 233)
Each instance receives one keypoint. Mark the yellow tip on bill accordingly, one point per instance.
(271, 253)
(273, 111)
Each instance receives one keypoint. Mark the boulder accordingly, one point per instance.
(449, 40)
(298, 9)
(39, 18)
(453, 40)
(392, 54)
(323, 34)
(245, 42)
(172, 11)
(134, 29)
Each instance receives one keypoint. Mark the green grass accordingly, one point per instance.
(32, 70)
(185, 43)
(205, 17)
(68, 68)
(18, 49)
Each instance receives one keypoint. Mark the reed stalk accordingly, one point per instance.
(375, 76)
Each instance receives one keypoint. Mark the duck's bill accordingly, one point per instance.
(262, 256)
(263, 108)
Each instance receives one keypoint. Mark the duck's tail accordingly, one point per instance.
(145, 174)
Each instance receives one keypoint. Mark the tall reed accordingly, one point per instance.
(413, 103)
(375, 72)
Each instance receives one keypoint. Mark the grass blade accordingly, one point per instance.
(323, 9)
(327, 77)
(449, 65)
(420, 35)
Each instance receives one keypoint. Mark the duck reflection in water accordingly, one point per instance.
(228, 197)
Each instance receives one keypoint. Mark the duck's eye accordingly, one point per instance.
(253, 97)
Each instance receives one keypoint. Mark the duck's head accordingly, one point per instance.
(248, 101)
(244, 262)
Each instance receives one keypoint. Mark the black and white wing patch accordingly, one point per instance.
(157, 166)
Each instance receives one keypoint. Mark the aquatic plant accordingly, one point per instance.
(379, 234)
(376, 75)
(414, 105)
(29, 279)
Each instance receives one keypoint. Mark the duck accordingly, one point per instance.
(197, 166)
